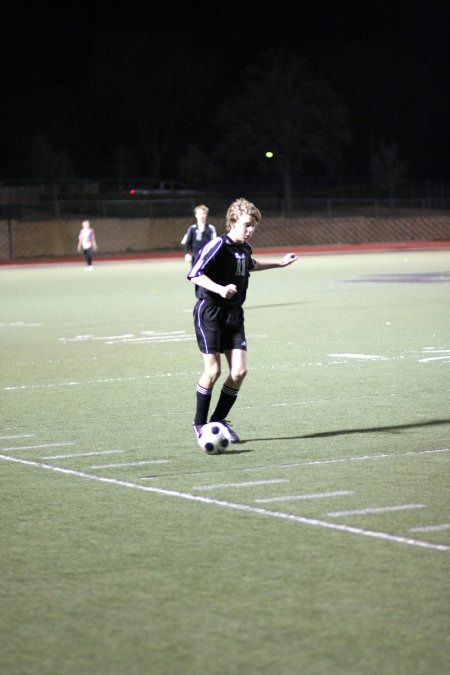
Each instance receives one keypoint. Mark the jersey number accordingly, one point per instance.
(240, 266)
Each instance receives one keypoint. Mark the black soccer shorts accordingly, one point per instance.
(219, 328)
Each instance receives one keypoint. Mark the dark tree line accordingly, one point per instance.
(165, 108)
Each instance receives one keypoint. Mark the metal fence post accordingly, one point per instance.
(10, 239)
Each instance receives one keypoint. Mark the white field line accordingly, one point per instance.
(19, 324)
(142, 337)
(10, 438)
(316, 495)
(344, 459)
(230, 505)
(375, 509)
(147, 340)
(123, 465)
(134, 378)
(381, 456)
(37, 447)
(102, 380)
(435, 358)
(362, 357)
(84, 454)
(431, 528)
(252, 483)
(313, 463)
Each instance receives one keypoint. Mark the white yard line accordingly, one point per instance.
(344, 459)
(230, 505)
(122, 465)
(36, 447)
(375, 509)
(431, 528)
(291, 465)
(381, 456)
(237, 507)
(252, 483)
(316, 495)
(84, 454)
(362, 357)
(106, 380)
(10, 438)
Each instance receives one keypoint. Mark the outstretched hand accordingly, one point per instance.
(288, 259)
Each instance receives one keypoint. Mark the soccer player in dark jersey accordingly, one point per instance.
(221, 273)
(198, 234)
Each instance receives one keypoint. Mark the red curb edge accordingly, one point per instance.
(299, 250)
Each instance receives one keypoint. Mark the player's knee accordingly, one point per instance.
(213, 373)
(238, 374)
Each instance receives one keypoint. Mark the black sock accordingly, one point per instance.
(226, 401)
(203, 402)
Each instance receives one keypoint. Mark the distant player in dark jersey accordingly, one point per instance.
(221, 273)
(198, 234)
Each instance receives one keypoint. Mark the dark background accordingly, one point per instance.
(82, 82)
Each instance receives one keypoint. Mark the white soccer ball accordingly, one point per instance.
(214, 438)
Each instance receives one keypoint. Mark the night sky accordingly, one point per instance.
(71, 73)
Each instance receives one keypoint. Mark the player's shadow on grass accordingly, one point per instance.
(393, 428)
(234, 450)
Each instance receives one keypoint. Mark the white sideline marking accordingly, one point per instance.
(375, 509)
(363, 357)
(434, 358)
(19, 324)
(125, 464)
(37, 447)
(316, 495)
(443, 354)
(289, 465)
(343, 459)
(230, 505)
(84, 454)
(431, 528)
(147, 336)
(10, 438)
(381, 456)
(239, 485)
(102, 380)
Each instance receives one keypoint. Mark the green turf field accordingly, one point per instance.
(319, 545)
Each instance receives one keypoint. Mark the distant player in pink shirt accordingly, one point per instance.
(86, 242)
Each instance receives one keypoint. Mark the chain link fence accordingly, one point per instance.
(49, 229)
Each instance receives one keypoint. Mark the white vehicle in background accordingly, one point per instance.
(161, 188)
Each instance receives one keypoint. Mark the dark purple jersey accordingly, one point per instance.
(195, 239)
(225, 262)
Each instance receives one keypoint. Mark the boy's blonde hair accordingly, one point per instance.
(201, 207)
(241, 207)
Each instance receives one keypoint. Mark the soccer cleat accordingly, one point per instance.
(234, 438)
(197, 430)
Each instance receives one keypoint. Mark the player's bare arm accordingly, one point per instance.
(288, 259)
(224, 291)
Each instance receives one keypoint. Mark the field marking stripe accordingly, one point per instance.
(431, 528)
(37, 447)
(9, 438)
(380, 456)
(73, 455)
(375, 509)
(265, 467)
(313, 495)
(230, 505)
(102, 380)
(120, 465)
(250, 483)
(372, 357)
